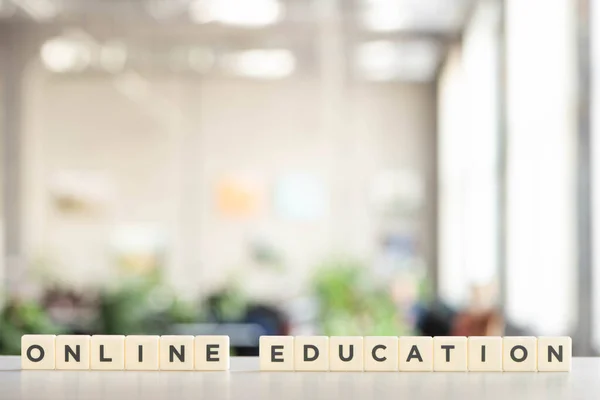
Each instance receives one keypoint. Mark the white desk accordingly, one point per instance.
(244, 381)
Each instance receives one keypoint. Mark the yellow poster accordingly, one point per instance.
(239, 196)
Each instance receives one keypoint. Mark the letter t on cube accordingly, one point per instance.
(276, 353)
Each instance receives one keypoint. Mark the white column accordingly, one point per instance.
(11, 79)
(541, 268)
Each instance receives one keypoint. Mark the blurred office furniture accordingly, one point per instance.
(224, 313)
(439, 319)
(478, 323)
(434, 320)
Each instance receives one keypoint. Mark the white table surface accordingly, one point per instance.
(244, 381)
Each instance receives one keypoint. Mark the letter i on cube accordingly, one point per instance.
(485, 353)
(141, 352)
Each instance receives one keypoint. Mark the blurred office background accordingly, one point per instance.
(339, 167)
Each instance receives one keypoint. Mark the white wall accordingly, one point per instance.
(595, 155)
(165, 149)
(2, 183)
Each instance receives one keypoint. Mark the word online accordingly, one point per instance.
(390, 353)
(114, 352)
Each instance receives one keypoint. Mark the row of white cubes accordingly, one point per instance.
(300, 353)
(117, 352)
(415, 353)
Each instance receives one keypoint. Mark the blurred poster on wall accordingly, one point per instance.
(82, 192)
(300, 197)
(397, 192)
(139, 248)
(240, 195)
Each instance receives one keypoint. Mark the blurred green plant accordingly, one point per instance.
(142, 304)
(20, 317)
(352, 302)
(228, 304)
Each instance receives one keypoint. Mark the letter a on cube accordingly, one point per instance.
(415, 353)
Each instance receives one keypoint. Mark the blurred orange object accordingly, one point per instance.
(239, 196)
(480, 323)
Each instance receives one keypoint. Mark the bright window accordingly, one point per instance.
(541, 207)
(468, 117)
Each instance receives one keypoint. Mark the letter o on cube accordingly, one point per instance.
(38, 351)
(519, 353)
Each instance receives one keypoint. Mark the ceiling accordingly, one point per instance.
(380, 40)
